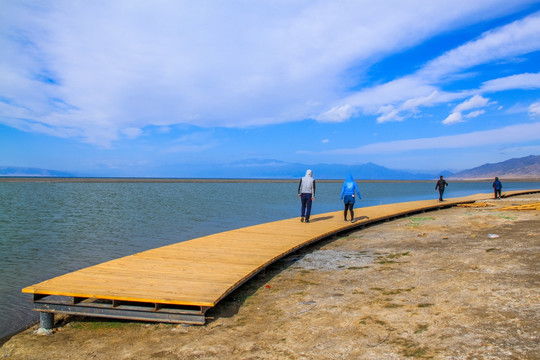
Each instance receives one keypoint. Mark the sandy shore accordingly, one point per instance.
(459, 283)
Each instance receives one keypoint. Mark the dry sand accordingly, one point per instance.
(459, 283)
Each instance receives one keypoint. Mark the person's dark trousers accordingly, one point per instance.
(441, 192)
(306, 205)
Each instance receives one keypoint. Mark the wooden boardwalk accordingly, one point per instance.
(180, 282)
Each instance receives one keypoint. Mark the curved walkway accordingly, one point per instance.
(180, 282)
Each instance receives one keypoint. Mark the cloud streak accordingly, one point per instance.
(504, 135)
(520, 81)
(534, 109)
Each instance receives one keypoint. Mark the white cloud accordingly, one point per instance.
(534, 109)
(475, 102)
(475, 113)
(131, 132)
(325, 141)
(517, 38)
(397, 91)
(504, 135)
(519, 81)
(422, 89)
(336, 114)
(192, 143)
(453, 118)
(421, 101)
(389, 113)
(93, 69)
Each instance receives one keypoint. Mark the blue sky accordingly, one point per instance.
(131, 88)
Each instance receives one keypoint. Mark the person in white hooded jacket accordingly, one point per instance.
(306, 193)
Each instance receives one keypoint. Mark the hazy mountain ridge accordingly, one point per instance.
(519, 168)
(31, 172)
(276, 169)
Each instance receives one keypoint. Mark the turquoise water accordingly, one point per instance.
(49, 229)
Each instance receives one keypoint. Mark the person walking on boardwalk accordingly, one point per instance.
(441, 185)
(347, 195)
(306, 193)
(497, 188)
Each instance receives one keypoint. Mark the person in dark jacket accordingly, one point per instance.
(306, 193)
(497, 188)
(441, 185)
(347, 195)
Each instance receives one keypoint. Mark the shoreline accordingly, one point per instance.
(44, 179)
(304, 291)
(24, 328)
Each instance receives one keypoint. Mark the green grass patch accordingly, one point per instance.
(421, 328)
(384, 261)
(491, 249)
(397, 256)
(101, 325)
(306, 282)
(390, 258)
(423, 218)
(506, 217)
(392, 305)
(412, 349)
(425, 305)
(417, 221)
(397, 291)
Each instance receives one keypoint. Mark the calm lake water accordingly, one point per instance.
(52, 228)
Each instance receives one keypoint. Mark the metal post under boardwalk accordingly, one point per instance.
(46, 321)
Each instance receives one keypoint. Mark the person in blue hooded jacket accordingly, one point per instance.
(347, 195)
(497, 188)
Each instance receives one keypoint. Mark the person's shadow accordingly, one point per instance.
(322, 218)
(360, 218)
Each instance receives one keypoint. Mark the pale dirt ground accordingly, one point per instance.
(434, 285)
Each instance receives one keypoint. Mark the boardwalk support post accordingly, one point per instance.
(46, 323)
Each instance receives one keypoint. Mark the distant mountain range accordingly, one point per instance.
(278, 169)
(30, 171)
(521, 168)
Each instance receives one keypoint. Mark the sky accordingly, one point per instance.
(156, 88)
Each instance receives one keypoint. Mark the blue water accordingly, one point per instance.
(49, 229)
